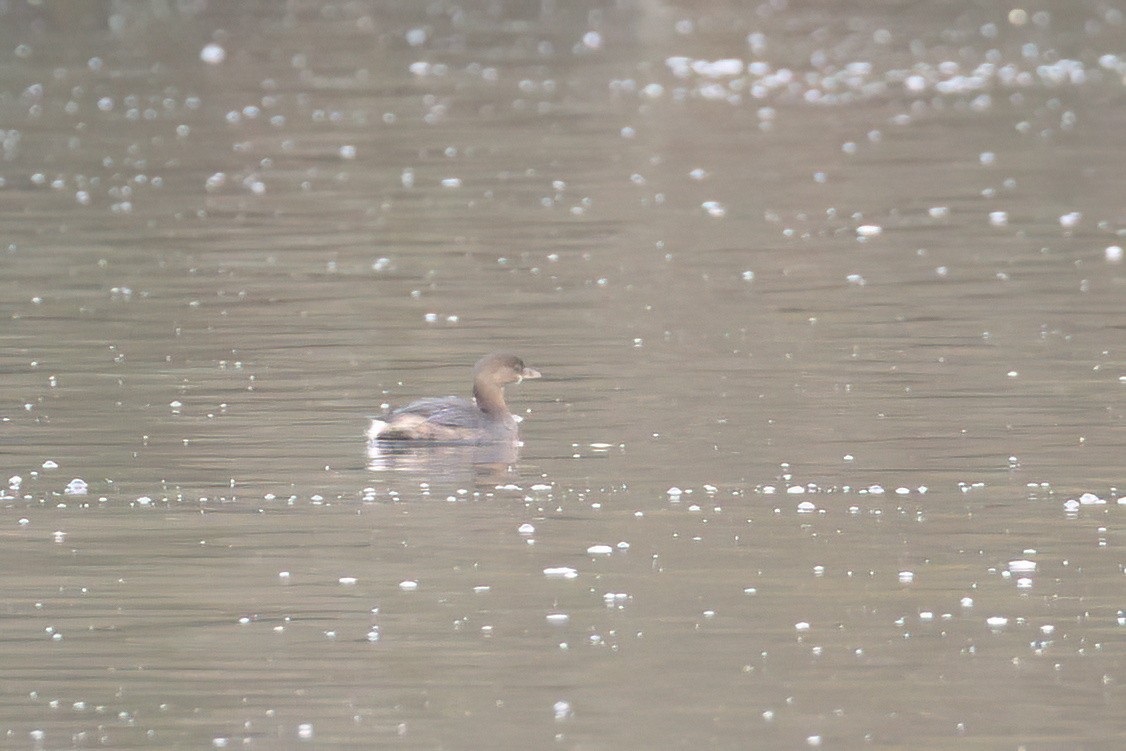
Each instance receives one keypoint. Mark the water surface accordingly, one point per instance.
(831, 318)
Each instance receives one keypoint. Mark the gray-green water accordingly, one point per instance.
(755, 250)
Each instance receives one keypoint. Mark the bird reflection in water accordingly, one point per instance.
(491, 463)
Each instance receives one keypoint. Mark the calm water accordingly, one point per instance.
(830, 307)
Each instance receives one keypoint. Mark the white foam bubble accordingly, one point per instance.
(560, 572)
(212, 54)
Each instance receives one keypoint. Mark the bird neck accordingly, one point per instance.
(490, 398)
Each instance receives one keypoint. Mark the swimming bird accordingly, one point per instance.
(452, 419)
